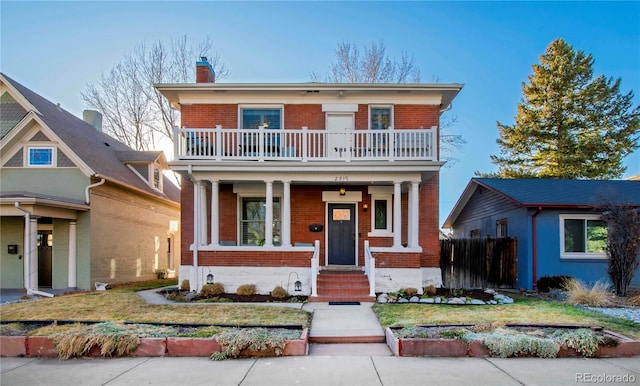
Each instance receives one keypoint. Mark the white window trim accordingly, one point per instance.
(152, 168)
(54, 156)
(249, 194)
(578, 255)
(261, 107)
(390, 107)
(388, 232)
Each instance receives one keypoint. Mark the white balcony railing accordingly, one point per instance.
(218, 144)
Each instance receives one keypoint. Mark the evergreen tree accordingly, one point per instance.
(569, 124)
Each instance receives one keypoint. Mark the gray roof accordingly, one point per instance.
(552, 193)
(555, 192)
(98, 150)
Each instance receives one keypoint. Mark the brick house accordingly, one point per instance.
(347, 176)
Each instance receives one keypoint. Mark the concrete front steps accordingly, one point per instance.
(342, 285)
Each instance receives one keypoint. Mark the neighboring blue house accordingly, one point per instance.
(557, 222)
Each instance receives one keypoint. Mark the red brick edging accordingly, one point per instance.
(416, 347)
(42, 346)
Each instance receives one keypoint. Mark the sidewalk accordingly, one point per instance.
(319, 370)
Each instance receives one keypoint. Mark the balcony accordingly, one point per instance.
(304, 145)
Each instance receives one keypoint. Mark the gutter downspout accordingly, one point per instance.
(534, 246)
(28, 253)
(194, 276)
(87, 198)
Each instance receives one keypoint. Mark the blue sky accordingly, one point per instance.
(57, 48)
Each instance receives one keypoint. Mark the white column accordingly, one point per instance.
(286, 215)
(397, 215)
(215, 215)
(414, 209)
(268, 220)
(33, 251)
(71, 275)
(203, 213)
(196, 214)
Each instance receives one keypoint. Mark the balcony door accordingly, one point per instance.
(339, 129)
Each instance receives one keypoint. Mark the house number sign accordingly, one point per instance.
(341, 178)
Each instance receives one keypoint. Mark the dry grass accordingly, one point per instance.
(579, 293)
(123, 304)
(524, 310)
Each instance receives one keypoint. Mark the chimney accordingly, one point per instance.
(204, 71)
(94, 118)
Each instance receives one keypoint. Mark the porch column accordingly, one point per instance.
(286, 215)
(268, 220)
(196, 214)
(215, 214)
(33, 248)
(414, 209)
(71, 275)
(203, 213)
(397, 215)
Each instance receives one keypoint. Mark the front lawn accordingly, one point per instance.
(524, 310)
(122, 304)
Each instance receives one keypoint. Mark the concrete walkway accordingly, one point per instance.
(319, 370)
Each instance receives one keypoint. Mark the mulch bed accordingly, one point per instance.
(181, 296)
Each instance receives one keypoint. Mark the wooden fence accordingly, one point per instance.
(479, 262)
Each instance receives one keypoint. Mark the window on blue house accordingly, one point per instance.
(582, 236)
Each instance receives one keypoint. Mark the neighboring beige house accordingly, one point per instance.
(77, 206)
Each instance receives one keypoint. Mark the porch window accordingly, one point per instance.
(381, 117)
(582, 236)
(252, 224)
(381, 215)
(40, 156)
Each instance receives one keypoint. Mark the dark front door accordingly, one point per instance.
(45, 244)
(342, 234)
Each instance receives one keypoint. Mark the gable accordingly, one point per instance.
(484, 203)
(11, 112)
(37, 140)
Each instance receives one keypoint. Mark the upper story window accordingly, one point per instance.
(40, 156)
(381, 117)
(253, 117)
(582, 236)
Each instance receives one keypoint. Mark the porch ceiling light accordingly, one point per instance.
(343, 191)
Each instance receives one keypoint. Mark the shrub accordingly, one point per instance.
(214, 289)
(579, 293)
(429, 290)
(246, 289)
(506, 344)
(583, 340)
(110, 337)
(279, 292)
(253, 339)
(547, 283)
(410, 291)
(185, 285)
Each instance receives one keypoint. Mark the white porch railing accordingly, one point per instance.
(315, 268)
(304, 144)
(370, 268)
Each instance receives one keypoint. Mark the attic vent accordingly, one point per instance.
(312, 91)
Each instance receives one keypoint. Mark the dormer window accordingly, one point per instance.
(40, 156)
(156, 176)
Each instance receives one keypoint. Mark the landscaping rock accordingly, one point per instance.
(414, 299)
(403, 301)
(427, 300)
(477, 301)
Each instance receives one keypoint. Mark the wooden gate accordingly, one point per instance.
(479, 263)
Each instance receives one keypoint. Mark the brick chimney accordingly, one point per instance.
(204, 71)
